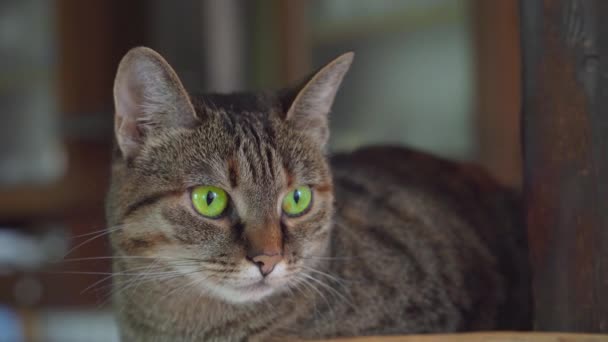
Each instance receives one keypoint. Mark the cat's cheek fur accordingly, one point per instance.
(143, 234)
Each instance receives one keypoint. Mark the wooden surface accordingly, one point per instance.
(565, 128)
(485, 337)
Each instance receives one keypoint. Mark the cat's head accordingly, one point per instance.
(233, 192)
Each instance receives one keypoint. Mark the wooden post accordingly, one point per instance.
(498, 71)
(565, 131)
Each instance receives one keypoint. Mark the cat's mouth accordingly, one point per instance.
(251, 286)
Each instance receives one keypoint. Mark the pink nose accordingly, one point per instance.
(266, 262)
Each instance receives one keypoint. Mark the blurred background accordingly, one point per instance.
(438, 75)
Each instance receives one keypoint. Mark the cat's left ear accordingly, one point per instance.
(148, 97)
(307, 106)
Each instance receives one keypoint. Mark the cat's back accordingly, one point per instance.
(417, 182)
(437, 241)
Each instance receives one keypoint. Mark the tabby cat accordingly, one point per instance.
(230, 223)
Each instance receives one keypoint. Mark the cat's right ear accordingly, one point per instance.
(148, 96)
(306, 107)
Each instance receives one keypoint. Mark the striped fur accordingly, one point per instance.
(395, 241)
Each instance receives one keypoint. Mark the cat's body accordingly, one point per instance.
(412, 244)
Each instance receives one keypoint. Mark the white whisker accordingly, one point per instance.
(96, 236)
(329, 288)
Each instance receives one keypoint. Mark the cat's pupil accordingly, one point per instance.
(210, 197)
(296, 196)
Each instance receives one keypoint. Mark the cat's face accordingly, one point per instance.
(234, 194)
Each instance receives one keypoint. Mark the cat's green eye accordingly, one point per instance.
(297, 201)
(209, 201)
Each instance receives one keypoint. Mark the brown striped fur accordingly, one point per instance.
(413, 243)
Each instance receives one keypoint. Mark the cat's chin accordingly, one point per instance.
(244, 294)
(251, 293)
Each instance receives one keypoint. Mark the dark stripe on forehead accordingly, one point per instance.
(257, 138)
(270, 135)
(233, 173)
(264, 164)
(237, 142)
(249, 157)
(270, 161)
(255, 135)
(228, 123)
(289, 177)
(247, 124)
(257, 150)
